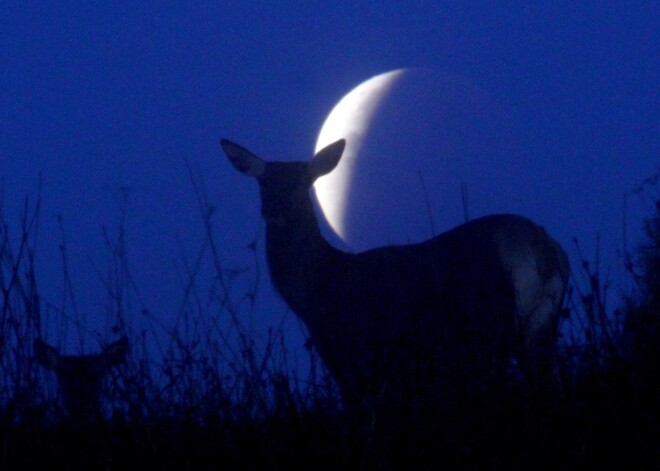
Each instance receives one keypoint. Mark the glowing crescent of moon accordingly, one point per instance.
(350, 120)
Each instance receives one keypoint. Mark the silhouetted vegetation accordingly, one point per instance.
(209, 394)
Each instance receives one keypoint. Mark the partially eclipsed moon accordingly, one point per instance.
(416, 139)
(350, 120)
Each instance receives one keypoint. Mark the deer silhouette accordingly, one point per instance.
(397, 321)
(80, 377)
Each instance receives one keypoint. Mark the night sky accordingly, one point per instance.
(100, 99)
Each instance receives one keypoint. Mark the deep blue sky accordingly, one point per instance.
(96, 96)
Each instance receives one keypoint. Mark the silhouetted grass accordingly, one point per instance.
(207, 393)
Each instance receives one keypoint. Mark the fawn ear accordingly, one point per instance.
(46, 355)
(115, 353)
(327, 158)
(243, 160)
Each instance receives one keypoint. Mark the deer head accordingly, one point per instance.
(80, 377)
(284, 186)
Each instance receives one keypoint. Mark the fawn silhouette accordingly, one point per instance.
(80, 377)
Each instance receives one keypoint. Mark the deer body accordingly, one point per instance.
(405, 317)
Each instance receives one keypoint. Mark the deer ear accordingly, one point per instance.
(46, 355)
(327, 158)
(115, 353)
(243, 160)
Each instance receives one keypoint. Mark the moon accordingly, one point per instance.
(349, 119)
(416, 139)
(428, 150)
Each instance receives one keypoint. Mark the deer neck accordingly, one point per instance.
(297, 255)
